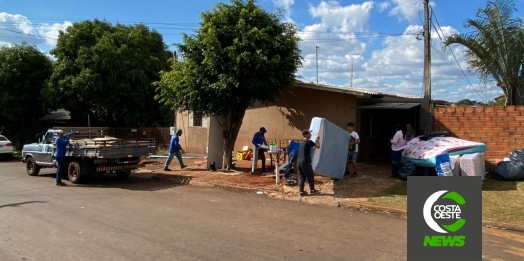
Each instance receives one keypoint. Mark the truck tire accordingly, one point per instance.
(123, 174)
(31, 167)
(74, 172)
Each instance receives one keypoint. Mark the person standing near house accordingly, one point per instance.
(354, 141)
(305, 169)
(397, 147)
(292, 150)
(258, 140)
(410, 133)
(175, 149)
(61, 143)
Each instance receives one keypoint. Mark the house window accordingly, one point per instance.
(196, 120)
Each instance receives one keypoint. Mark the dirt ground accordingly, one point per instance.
(372, 179)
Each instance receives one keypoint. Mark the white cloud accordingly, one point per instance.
(342, 18)
(393, 65)
(383, 6)
(410, 10)
(286, 6)
(17, 28)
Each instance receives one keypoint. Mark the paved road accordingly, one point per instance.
(148, 219)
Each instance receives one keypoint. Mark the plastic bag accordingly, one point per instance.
(443, 165)
(406, 169)
(508, 171)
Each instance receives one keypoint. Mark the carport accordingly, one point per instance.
(376, 119)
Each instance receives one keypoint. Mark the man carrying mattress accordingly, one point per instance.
(305, 169)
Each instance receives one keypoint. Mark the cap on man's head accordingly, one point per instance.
(262, 129)
(305, 132)
(59, 131)
(179, 131)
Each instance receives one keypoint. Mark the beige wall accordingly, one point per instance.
(193, 139)
(283, 120)
(293, 113)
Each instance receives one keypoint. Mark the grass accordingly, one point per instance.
(502, 201)
(17, 155)
(393, 197)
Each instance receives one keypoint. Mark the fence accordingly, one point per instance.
(501, 128)
(161, 135)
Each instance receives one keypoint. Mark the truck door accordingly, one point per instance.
(47, 147)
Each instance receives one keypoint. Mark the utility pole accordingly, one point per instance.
(175, 57)
(427, 66)
(316, 49)
(351, 73)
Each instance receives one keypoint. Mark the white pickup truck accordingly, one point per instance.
(87, 156)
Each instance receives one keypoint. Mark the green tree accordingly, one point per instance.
(496, 47)
(24, 72)
(239, 55)
(107, 71)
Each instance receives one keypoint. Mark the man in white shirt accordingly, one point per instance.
(354, 141)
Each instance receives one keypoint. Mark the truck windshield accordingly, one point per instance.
(49, 138)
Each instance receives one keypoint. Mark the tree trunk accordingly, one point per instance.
(231, 129)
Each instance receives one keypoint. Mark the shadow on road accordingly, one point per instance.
(138, 182)
(21, 203)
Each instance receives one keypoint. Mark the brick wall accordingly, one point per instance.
(501, 128)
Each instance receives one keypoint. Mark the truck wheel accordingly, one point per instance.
(31, 167)
(74, 172)
(123, 174)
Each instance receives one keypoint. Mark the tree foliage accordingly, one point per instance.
(24, 72)
(107, 71)
(496, 47)
(241, 54)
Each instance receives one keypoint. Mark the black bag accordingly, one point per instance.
(517, 156)
(508, 171)
(406, 168)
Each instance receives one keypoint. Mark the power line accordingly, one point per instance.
(34, 35)
(455, 58)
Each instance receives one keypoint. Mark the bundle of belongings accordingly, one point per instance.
(512, 168)
(448, 155)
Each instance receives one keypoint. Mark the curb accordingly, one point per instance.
(504, 226)
(485, 223)
(341, 204)
(366, 207)
(209, 185)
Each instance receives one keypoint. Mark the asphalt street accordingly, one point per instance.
(147, 219)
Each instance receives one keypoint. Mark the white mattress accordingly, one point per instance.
(472, 165)
(455, 164)
(330, 159)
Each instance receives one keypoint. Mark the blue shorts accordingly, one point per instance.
(352, 155)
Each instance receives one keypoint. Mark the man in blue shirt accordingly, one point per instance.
(259, 139)
(175, 150)
(292, 151)
(61, 143)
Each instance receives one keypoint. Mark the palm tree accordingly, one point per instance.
(496, 48)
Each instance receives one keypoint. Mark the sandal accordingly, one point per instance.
(303, 193)
(314, 192)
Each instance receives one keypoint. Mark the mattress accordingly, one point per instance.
(423, 152)
(330, 159)
(472, 165)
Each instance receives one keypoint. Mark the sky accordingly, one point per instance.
(377, 38)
